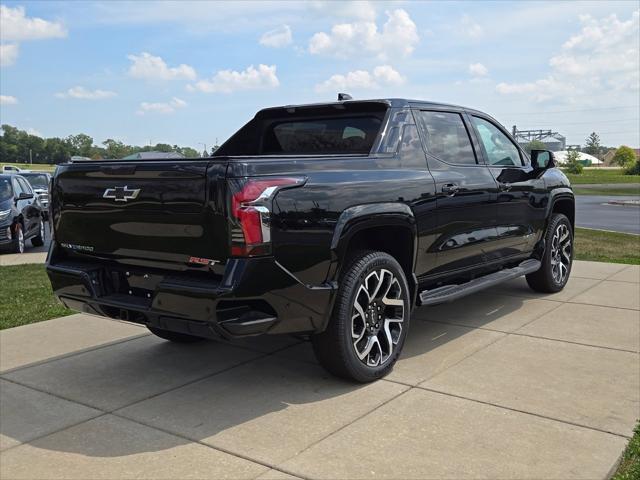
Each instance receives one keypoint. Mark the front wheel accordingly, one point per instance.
(370, 319)
(17, 246)
(557, 259)
(38, 240)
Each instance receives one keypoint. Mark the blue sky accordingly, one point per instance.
(191, 72)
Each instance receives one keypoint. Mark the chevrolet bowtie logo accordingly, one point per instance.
(121, 194)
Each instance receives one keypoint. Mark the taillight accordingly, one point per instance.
(251, 212)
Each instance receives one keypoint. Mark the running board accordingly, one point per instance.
(447, 293)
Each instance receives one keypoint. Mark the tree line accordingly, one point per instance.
(19, 146)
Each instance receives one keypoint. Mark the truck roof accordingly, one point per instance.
(391, 102)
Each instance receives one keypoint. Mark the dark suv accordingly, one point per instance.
(21, 218)
(333, 220)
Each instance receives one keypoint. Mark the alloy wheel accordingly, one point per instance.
(20, 240)
(561, 253)
(377, 317)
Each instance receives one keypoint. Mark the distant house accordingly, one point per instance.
(608, 157)
(152, 155)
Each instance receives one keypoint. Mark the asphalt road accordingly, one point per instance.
(593, 211)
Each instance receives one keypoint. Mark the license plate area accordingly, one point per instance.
(133, 283)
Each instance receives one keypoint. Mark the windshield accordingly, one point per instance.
(6, 192)
(39, 181)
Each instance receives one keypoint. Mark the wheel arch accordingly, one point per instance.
(563, 202)
(386, 227)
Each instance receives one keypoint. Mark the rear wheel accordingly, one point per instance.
(18, 239)
(174, 336)
(38, 240)
(370, 319)
(557, 259)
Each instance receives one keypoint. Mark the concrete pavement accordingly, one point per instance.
(503, 384)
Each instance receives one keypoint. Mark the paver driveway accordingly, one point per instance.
(503, 384)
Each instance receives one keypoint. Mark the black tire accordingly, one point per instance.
(18, 242)
(552, 277)
(336, 349)
(175, 336)
(38, 240)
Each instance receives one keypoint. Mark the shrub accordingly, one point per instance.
(633, 169)
(625, 157)
(573, 162)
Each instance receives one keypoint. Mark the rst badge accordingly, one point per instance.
(121, 194)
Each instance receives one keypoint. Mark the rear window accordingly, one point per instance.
(329, 135)
(343, 129)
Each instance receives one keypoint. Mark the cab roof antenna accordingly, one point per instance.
(344, 96)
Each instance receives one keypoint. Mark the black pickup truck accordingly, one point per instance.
(333, 220)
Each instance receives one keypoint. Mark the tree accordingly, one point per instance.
(81, 144)
(592, 144)
(573, 164)
(116, 149)
(624, 156)
(534, 145)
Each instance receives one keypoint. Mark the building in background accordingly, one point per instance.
(552, 140)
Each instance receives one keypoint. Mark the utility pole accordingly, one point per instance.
(30, 157)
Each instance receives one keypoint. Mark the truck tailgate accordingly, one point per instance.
(156, 210)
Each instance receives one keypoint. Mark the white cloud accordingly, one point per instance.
(8, 54)
(398, 36)
(603, 59)
(33, 131)
(151, 67)
(471, 28)
(478, 70)
(277, 38)
(161, 107)
(15, 26)
(228, 81)
(358, 9)
(383, 75)
(8, 100)
(82, 93)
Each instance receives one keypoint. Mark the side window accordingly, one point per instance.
(26, 188)
(446, 137)
(17, 187)
(499, 149)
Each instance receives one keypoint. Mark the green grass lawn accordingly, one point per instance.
(629, 468)
(39, 167)
(600, 246)
(602, 176)
(27, 296)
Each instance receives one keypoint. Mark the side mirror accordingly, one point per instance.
(542, 159)
(25, 196)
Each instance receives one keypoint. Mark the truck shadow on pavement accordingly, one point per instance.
(263, 398)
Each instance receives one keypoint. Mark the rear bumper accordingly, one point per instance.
(254, 296)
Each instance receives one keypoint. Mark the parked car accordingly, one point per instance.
(21, 218)
(13, 169)
(39, 182)
(333, 220)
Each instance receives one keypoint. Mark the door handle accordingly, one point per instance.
(504, 187)
(450, 188)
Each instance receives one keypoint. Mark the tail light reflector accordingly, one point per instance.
(251, 203)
